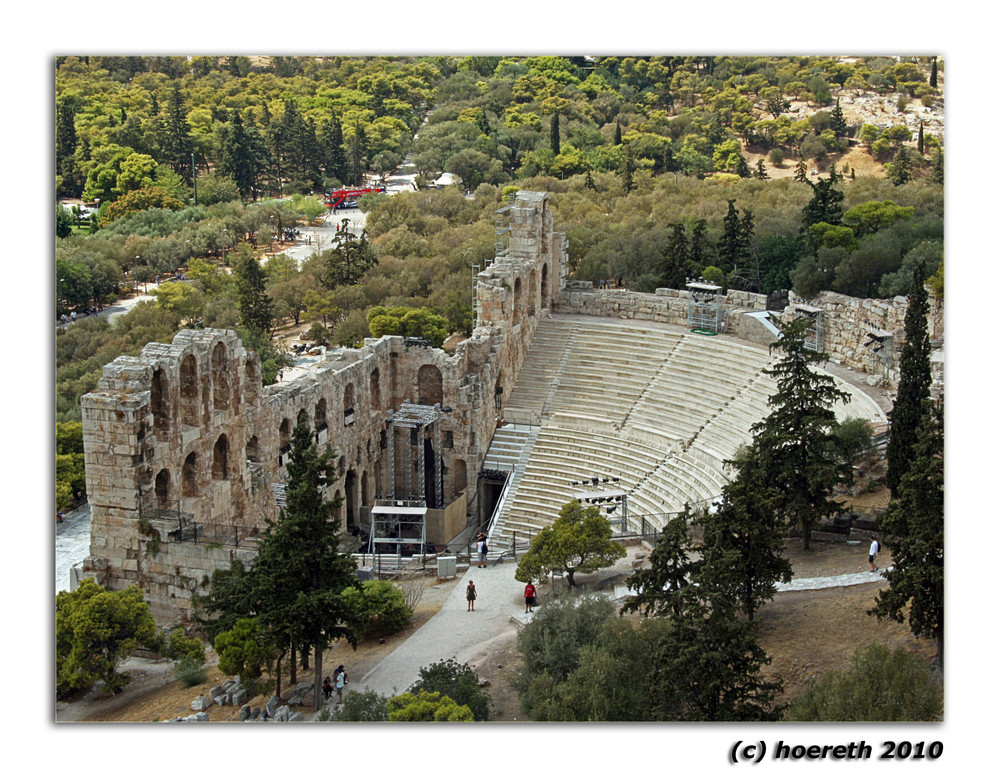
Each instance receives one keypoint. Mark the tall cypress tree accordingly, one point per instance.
(554, 134)
(914, 384)
(913, 529)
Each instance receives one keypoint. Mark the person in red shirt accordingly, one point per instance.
(529, 597)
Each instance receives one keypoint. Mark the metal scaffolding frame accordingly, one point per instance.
(816, 336)
(398, 523)
(879, 347)
(423, 419)
(704, 306)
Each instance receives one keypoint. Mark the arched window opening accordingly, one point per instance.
(220, 378)
(220, 459)
(320, 415)
(159, 401)
(190, 394)
(545, 287)
(349, 404)
(162, 489)
(532, 292)
(375, 389)
(189, 476)
(253, 450)
(429, 385)
(285, 436)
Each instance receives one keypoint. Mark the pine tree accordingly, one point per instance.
(920, 140)
(742, 168)
(66, 148)
(673, 266)
(301, 554)
(670, 569)
(618, 133)
(256, 307)
(794, 442)
(800, 172)
(332, 141)
(744, 538)
(837, 122)
(178, 145)
(730, 245)
(913, 529)
(826, 204)
(934, 73)
(349, 259)
(628, 170)
(761, 172)
(236, 156)
(554, 134)
(914, 384)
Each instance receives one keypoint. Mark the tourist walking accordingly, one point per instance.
(339, 680)
(470, 595)
(529, 597)
(481, 548)
(873, 550)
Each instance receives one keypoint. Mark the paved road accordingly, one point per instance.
(72, 544)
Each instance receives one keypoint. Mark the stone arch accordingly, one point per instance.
(429, 385)
(253, 450)
(338, 511)
(319, 415)
(545, 286)
(516, 310)
(365, 492)
(220, 378)
(348, 402)
(302, 418)
(375, 389)
(251, 378)
(189, 476)
(190, 394)
(461, 475)
(220, 459)
(284, 433)
(161, 487)
(351, 497)
(532, 291)
(159, 401)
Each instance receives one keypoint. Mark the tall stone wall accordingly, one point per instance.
(186, 451)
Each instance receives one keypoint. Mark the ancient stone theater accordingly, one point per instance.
(633, 401)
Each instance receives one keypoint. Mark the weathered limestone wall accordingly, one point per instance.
(184, 446)
(848, 320)
(668, 306)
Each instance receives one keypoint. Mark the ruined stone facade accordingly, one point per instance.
(185, 450)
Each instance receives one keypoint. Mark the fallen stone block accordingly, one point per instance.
(216, 691)
(245, 713)
(282, 713)
(239, 697)
(222, 699)
(297, 716)
(201, 703)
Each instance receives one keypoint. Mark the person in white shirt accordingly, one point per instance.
(873, 550)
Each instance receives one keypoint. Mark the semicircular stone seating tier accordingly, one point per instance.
(656, 406)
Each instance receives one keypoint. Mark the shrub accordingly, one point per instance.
(178, 645)
(458, 681)
(427, 706)
(380, 608)
(190, 671)
(854, 438)
(877, 685)
(359, 706)
(551, 643)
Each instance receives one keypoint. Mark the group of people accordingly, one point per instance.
(530, 593)
(72, 316)
(481, 549)
(339, 680)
